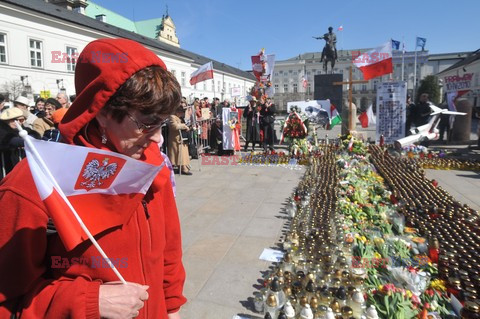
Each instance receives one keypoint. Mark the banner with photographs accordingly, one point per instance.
(391, 110)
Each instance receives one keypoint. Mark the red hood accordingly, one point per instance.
(102, 67)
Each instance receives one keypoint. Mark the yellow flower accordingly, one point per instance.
(377, 255)
(380, 288)
(409, 294)
(438, 284)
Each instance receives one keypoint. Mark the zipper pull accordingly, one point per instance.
(145, 208)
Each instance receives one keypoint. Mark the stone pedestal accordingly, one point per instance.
(463, 123)
(347, 117)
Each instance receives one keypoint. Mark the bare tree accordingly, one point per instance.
(14, 89)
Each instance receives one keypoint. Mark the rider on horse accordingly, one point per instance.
(331, 40)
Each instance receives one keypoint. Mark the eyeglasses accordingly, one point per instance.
(144, 128)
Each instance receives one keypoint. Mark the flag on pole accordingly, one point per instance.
(334, 116)
(304, 82)
(367, 118)
(421, 42)
(103, 187)
(340, 28)
(203, 73)
(375, 62)
(395, 45)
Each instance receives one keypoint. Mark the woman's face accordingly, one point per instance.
(133, 134)
(49, 109)
(12, 124)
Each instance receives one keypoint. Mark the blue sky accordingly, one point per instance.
(231, 31)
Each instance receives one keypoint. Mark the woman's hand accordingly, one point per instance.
(119, 301)
(175, 315)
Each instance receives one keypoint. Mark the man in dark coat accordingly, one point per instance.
(252, 116)
(421, 111)
(268, 118)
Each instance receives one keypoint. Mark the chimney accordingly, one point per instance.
(101, 17)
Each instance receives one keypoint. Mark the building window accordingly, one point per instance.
(295, 88)
(281, 71)
(285, 88)
(72, 54)
(294, 72)
(276, 87)
(36, 53)
(275, 73)
(364, 87)
(174, 72)
(290, 71)
(183, 78)
(3, 48)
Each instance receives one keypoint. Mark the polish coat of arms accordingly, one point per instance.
(98, 171)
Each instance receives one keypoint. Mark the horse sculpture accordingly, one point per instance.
(328, 55)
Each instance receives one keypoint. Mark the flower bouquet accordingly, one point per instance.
(393, 302)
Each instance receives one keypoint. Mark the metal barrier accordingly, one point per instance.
(9, 157)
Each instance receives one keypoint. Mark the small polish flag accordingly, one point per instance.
(203, 73)
(104, 188)
(350, 145)
(340, 28)
(304, 82)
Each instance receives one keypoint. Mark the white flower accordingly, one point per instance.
(434, 305)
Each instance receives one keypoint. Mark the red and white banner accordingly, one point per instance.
(103, 187)
(203, 73)
(375, 62)
(367, 118)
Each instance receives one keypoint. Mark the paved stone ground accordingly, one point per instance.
(229, 214)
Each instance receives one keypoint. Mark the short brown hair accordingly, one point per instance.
(151, 91)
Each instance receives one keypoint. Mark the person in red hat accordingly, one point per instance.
(124, 94)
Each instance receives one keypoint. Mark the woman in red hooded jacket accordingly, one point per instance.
(124, 94)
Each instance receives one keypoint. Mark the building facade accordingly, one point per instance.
(288, 77)
(39, 39)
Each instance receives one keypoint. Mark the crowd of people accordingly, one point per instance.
(193, 128)
(40, 121)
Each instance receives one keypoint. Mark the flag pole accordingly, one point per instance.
(415, 72)
(23, 134)
(403, 57)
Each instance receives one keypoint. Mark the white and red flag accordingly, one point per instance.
(203, 73)
(104, 188)
(375, 62)
(304, 82)
(367, 118)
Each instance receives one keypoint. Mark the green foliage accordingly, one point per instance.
(430, 86)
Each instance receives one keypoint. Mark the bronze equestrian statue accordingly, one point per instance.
(329, 53)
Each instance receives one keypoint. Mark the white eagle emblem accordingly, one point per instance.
(94, 173)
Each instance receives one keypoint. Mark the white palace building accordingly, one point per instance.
(34, 32)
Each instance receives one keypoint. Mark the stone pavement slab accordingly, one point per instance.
(464, 186)
(228, 215)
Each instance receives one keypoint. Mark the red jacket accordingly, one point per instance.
(40, 279)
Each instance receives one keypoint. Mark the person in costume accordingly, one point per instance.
(120, 106)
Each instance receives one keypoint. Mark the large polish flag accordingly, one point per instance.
(203, 73)
(103, 187)
(375, 62)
